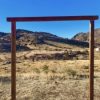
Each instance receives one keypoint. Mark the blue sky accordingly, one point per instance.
(28, 8)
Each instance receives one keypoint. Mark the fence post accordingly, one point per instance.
(13, 60)
(91, 45)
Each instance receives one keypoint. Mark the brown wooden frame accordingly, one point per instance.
(13, 21)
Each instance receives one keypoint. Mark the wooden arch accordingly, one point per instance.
(13, 21)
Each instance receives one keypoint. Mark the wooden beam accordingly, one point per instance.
(52, 18)
(91, 59)
(13, 61)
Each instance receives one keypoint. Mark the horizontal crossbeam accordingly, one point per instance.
(52, 18)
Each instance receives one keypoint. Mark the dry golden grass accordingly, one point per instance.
(49, 80)
(40, 87)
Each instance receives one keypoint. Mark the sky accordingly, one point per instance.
(31, 8)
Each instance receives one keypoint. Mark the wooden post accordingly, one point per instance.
(91, 59)
(13, 61)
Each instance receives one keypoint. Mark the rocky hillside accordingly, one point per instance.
(85, 36)
(28, 40)
(81, 36)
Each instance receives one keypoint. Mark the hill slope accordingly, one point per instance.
(27, 40)
(85, 36)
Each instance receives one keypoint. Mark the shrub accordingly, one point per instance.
(71, 72)
(86, 67)
(36, 70)
(45, 68)
(53, 71)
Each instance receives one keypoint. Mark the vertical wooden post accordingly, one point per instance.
(13, 61)
(91, 36)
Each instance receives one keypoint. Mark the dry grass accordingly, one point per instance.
(50, 80)
(42, 87)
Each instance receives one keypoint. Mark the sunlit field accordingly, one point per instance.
(49, 79)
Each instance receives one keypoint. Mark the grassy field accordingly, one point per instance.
(50, 80)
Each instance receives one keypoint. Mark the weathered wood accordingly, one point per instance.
(52, 18)
(91, 36)
(13, 61)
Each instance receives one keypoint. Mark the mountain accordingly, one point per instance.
(42, 38)
(29, 40)
(2, 34)
(85, 36)
(81, 36)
